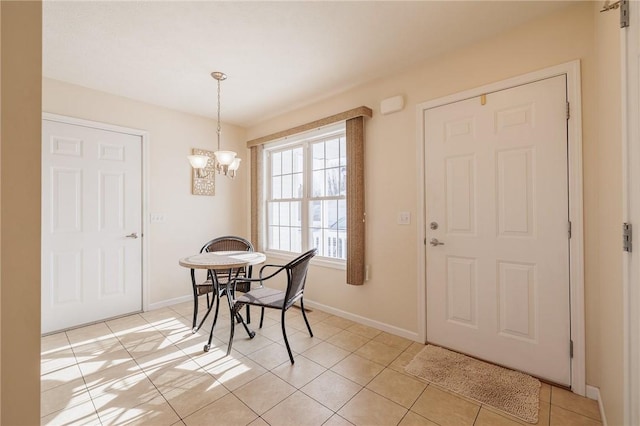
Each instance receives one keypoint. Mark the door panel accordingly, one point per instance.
(91, 200)
(498, 288)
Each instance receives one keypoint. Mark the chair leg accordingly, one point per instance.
(195, 302)
(248, 315)
(208, 345)
(233, 327)
(305, 317)
(195, 314)
(261, 317)
(194, 330)
(284, 334)
(215, 314)
(251, 334)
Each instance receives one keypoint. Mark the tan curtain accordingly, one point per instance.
(355, 201)
(257, 189)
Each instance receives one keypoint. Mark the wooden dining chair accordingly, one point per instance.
(266, 297)
(206, 287)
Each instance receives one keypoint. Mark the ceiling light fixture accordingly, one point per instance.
(226, 162)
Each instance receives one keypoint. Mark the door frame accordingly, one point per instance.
(145, 232)
(630, 114)
(576, 243)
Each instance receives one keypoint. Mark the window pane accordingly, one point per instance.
(296, 240)
(343, 181)
(331, 243)
(286, 186)
(318, 183)
(276, 164)
(316, 214)
(318, 156)
(286, 162)
(342, 216)
(274, 214)
(330, 214)
(274, 237)
(328, 232)
(284, 214)
(296, 214)
(315, 235)
(332, 153)
(297, 186)
(298, 160)
(284, 239)
(332, 185)
(343, 152)
(276, 188)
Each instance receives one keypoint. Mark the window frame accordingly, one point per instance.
(305, 141)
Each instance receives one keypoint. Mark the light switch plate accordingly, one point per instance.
(156, 217)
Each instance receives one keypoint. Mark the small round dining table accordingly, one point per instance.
(220, 261)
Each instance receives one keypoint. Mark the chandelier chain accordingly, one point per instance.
(218, 115)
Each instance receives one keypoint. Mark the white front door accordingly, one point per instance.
(497, 198)
(91, 224)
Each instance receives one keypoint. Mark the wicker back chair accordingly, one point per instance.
(226, 243)
(266, 297)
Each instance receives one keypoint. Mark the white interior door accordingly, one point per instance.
(497, 197)
(91, 224)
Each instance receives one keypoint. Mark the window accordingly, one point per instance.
(306, 195)
(352, 128)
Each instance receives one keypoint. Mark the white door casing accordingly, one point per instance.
(496, 184)
(630, 55)
(91, 224)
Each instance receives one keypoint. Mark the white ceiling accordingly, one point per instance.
(278, 55)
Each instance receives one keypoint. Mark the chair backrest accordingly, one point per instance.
(227, 243)
(297, 277)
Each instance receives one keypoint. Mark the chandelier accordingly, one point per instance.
(226, 162)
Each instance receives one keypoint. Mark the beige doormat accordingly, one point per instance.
(512, 392)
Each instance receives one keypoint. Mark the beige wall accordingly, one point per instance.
(21, 53)
(190, 220)
(578, 32)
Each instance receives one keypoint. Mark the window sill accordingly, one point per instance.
(325, 262)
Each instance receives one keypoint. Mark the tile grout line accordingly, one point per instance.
(84, 380)
(142, 369)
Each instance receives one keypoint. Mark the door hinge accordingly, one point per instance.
(627, 237)
(570, 348)
(624, 10)
(624, 13)
(425, 241)
(568, 110)
(569, 229)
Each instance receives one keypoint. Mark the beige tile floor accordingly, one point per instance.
(150, 369)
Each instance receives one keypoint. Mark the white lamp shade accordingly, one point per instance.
(225, 158)
(198, 161)
(236, 164)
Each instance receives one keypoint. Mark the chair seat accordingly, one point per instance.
(263, 296)
(207, 286)
(204, 287)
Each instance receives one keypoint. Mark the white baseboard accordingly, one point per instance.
(594, 393)
(171, 302)
(411, 335)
